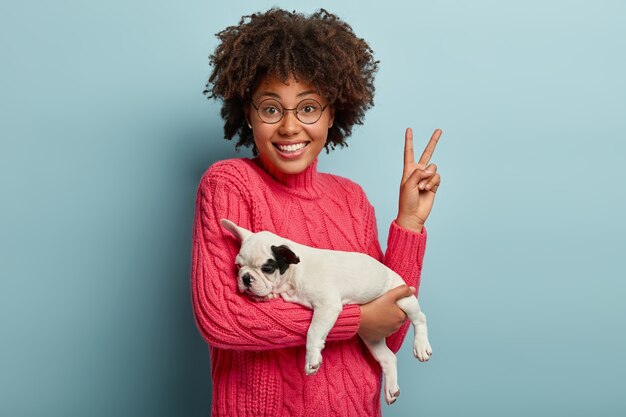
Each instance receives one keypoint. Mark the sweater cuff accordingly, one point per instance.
(347, 323)
(405, 251)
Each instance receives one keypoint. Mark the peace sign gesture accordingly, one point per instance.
(419, 184)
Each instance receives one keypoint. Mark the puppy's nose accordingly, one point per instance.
(247, 279)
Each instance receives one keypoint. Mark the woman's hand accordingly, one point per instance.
(419, 184)
(382, 317)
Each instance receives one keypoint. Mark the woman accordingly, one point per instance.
(292, 85)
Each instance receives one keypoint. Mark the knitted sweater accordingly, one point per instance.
(258, 348)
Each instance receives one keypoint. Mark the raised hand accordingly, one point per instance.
(419, 184)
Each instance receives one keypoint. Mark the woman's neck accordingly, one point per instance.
(304, 181)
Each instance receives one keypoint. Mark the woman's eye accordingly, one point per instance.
(308, 109)
(270, 111)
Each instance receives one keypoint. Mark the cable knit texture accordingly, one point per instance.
(258, 348)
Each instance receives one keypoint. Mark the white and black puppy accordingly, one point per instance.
(324, 280)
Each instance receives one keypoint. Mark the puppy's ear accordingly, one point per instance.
(284, 257)
(239, 232)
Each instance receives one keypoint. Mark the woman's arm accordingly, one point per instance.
(407, 236)
(404, 255)
(226, 318)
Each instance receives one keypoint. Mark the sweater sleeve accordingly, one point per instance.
(404, 255)
(226, 318)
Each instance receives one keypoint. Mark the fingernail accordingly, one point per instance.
(421, 186)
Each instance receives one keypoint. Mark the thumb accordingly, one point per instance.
(401, 292)
(416, 176)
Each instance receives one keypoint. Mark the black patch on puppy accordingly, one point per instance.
(284, 257)
(269, 266)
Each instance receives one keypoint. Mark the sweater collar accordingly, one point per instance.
(305, 183)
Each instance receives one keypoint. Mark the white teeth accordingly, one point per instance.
(292, 148)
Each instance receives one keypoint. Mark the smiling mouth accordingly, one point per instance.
(291, 148)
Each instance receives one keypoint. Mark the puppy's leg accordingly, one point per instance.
(324, 318)
(421, 345)
(388, 362)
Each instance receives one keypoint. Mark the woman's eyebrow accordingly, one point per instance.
(268, 93)
(307, 92)
(275, 95)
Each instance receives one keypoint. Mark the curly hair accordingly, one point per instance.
(320, 49)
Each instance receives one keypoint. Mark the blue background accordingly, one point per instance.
(105, 134)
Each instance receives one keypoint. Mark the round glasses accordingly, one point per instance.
(308, 111)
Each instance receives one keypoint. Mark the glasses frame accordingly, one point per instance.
(285, 110)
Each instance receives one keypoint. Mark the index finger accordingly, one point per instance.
(401, 291)
(430, 148)
(408, 149)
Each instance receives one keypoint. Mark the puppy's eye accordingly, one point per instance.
(268, 269)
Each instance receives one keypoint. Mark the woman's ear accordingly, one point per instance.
(331, 119)
(246, 112)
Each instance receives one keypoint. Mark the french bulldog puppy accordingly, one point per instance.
(324, 280)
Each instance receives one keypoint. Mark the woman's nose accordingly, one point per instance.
(289, 124)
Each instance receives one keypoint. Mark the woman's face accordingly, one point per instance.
(288, 146)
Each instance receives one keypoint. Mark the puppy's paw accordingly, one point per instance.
(311, 369)
(313, 363)
(421, 349)
(288, 298)
(392, 394)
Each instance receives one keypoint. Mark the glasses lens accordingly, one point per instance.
(309, 111)
(270, 111)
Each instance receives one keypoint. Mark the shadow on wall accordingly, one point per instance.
(193, 378)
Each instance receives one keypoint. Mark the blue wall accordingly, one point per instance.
(105, 133)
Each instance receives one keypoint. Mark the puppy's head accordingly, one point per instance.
(263, 261)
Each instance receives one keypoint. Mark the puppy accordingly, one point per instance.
(324, 280)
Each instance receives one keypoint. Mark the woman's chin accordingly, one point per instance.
(289, 166)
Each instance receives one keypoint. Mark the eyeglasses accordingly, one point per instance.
(308, 111)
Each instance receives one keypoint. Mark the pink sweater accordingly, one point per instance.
(258, 348)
